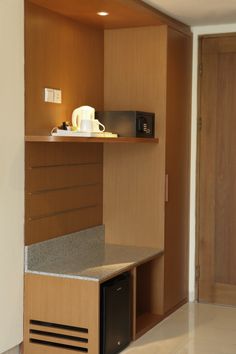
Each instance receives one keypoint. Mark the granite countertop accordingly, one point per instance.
(92, 260)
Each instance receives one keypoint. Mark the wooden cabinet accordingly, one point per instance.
(141, 65)
(63, 313)
(150, 69)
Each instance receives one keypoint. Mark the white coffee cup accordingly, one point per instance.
(86, 125)
(97, 125)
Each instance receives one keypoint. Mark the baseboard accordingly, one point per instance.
(192, 296)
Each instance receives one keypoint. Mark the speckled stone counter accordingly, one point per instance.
(85, 255)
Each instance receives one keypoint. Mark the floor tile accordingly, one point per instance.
(193, 329)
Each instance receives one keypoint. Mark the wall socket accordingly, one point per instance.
(52, 95)
(57, 96)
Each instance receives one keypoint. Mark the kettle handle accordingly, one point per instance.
(75, 118)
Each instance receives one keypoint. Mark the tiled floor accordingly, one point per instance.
(14, 350)
(193, 329)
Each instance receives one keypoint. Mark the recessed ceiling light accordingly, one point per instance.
(103, 13)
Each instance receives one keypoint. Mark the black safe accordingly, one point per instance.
(115, 315)
(128, 123)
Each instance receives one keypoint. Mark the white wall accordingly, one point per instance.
(197, 31)
(11, 172)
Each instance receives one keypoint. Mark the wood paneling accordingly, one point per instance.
(177, 168)
(63, 189)
(60, 53)
(47, 155)
(67, 176)
(63, 182)
(135, 79)
(149, 295)
(149, 283)
(47, 203)
(37, 230)
(122, 13)
(61, 301)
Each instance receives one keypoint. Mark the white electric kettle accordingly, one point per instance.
(82, 113)
(83, 118)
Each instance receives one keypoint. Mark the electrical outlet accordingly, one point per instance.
(48, 95)
(56, 96)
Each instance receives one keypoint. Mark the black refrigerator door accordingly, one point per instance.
(115, 315)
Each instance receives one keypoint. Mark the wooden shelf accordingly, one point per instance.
(65, 139)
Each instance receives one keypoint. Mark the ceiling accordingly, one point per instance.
(198, 12)
(122, 13)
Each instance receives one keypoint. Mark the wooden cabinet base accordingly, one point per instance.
(61, 315)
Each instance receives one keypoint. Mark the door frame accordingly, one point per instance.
(198, 150)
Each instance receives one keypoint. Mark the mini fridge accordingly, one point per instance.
(115, 324)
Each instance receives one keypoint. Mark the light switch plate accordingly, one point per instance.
(57, 96)
(48, 95)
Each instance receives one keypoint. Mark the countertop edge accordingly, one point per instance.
(101, 279)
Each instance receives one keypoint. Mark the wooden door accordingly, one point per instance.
(217, 171)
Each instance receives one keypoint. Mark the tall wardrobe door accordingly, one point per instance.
(177, 168)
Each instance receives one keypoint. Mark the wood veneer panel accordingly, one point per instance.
(46, 299)
(61, 224)
(122, 13)
(60, 53)
(61, 194)
(63, 200)
(53, 154)
(42, 179)
(135, 79)
(177, 168)
(149, 295)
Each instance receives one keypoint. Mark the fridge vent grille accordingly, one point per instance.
(59, 336)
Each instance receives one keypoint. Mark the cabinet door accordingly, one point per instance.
(177, 168)
(61, 313)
